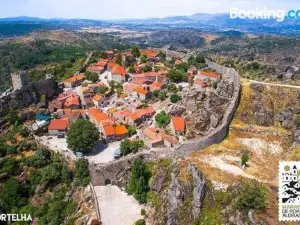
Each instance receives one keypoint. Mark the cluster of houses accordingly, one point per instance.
(81, 99)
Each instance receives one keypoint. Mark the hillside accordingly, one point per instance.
(266, 129)
(36, 181)
(269, 58)
(42, 48)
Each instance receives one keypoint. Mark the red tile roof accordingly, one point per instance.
(102, 62)
(74, 100)
(209, 74)
(151, 133)
(109, 130)
(141, 90)
(117, 69)
(98, 115)
(75, 78)
(170, 139)
(134, 116)
(120, 130)
(95, 68)
(59, 124)
(149, 53)
(178, 123)
(130, 87)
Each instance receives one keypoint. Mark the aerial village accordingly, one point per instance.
(124, 97)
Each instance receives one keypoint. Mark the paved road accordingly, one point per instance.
(272, 84)
(116, 207)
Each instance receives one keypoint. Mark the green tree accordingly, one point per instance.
(138, 182)
(183, 67)
(51, 174)
(143, 58)
(147, 68)
(200, 59)
(155, 93)
(81, 172)
(101, 89)
(140, 222)
(112, 85)
(82, 136)
(252, 196)
(177, 76)
(175, 98)
(131, 130)
(245, 159)
(131, 69)
(162, 95)
(135, 51)
(172, 88)
(127, 146)
(13, 194)
(161, 55)
(92, 76)
(162, 119)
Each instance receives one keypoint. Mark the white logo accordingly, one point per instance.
(289, 191)
(15, 217)
(258, 13)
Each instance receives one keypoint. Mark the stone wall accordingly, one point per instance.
(218, 134)
(29, 94)
(116, 172)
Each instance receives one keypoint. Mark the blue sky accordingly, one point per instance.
(119, 9)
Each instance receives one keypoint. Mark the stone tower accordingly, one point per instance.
(19, 79)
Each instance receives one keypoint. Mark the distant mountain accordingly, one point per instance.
(21, 19)
(203, 21)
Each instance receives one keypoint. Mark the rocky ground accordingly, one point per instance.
(203, 109)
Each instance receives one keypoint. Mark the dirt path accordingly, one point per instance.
(272, 84)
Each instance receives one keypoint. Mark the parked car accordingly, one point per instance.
(117, 153)
(79, 154)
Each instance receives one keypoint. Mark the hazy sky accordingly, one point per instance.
(118, 9)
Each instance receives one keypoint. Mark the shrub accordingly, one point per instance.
(252, 196)
(127, 146)
(81, 172)
(143, 212)
(138, 182)
(140, 222)
(245, 159)
(162, 119)
(175, 98)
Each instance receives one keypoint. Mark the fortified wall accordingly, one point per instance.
(29, 94)
(218, 134)
(117, 172)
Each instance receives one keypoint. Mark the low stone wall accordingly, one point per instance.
(116, 172)
(217, 135)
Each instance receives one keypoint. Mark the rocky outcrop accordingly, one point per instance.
(199, 184)
(159, 179)
(175, 110)
(176, 196)
(225, 88)
(179, 193)
(29, 94)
